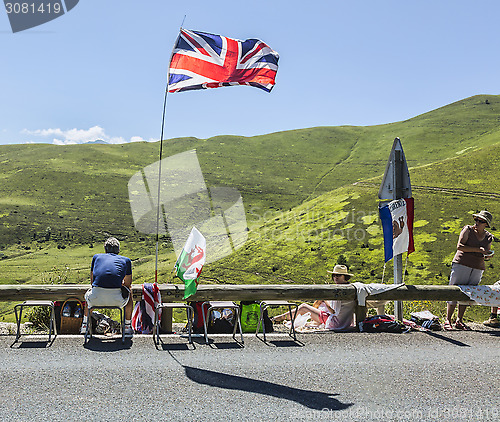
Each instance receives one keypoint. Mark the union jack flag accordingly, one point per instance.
(201, 60)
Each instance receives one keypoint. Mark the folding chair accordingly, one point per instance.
(52, 323)
(273, 304)
(221, 305)
(170, 305)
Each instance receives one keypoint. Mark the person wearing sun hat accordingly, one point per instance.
(467, 266)
(337, 315)
(340, 270)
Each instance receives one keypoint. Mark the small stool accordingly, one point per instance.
(52, 324)
(88, 331)
(170, 305)
(273, 304)
(221, 305)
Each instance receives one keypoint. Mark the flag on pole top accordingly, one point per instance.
(201, 60)
(190, 262)
(397, 225)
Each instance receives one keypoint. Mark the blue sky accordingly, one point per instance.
(99, 71)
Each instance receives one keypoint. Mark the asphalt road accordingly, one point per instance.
(445, 376)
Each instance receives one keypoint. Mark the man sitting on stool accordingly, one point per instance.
(111, 278)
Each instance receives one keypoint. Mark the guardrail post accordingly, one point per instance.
(166, 320)
(360, 313)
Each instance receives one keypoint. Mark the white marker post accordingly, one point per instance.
(396, 185)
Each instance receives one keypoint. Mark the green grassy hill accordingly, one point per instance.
(58, 203)
(301, 244)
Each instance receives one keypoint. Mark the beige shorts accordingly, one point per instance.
(99, 296)
(463, 275)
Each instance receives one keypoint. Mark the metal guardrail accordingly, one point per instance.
(240, 292)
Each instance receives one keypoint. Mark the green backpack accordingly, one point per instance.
(250, 312)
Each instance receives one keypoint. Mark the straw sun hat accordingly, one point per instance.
(484, 215)
(340, 269)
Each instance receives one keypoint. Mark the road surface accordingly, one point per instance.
(445, 376)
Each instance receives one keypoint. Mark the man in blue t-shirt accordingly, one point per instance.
(111, 278)
(108, 270)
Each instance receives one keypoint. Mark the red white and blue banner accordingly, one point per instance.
(201, 60)
(143, 315)
(397, 225)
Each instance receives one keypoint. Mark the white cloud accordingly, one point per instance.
(137, 139)
(141, 139)
(61, 142)
(81, 136)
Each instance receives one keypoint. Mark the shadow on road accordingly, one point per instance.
(491, 333)
(225, 345)
(289, 342)
(284, 343)
(174, 346)
(316, 400)
(27, 344)
(449, 340)
(107, 345)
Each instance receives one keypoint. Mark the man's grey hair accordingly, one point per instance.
(112, 245)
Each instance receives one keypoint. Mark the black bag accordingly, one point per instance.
(221, 321)
(218, 323)
(268, 324)
(381, 324)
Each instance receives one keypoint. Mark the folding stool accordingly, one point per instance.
(171, 305)
(49, 303)
(272, 304)
(221, 305)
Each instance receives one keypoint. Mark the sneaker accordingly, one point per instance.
(492, 322)
(129, 331)
(83, 328)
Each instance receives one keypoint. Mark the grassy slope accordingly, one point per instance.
(80, 192)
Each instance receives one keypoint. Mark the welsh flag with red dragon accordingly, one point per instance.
(190, 262)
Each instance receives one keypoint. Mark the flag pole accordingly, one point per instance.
(159, 183)
(161, 157)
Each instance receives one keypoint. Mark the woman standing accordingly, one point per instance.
(467, 267)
